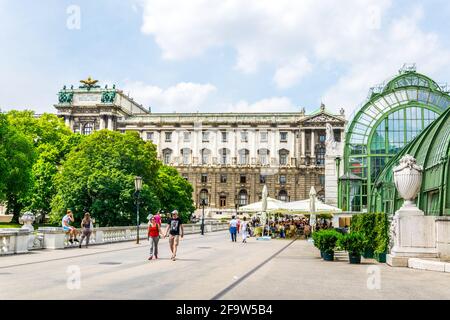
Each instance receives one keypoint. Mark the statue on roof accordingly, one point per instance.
(322, 106)
(89, 83)
(342, 112)
(330, 142)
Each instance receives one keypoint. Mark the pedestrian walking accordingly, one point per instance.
(245, 228)
(158, 218)
(86, 229)
(154, 230)
(233, 228)
(238, 225)
(174, 227)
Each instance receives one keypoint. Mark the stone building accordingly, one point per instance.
(227, 157)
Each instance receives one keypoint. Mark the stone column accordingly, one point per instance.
(313, 144)
(303, 142)
(102, 122)
(67, 121)
(111, 123)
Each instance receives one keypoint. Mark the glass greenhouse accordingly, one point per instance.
(394, 114)
(432, 150)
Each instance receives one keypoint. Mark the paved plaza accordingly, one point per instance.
(209, 267)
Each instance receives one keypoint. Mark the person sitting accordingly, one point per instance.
(70, 230)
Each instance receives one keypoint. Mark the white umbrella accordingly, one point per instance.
(272, 205)
(312, 206)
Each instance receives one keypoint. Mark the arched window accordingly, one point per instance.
(186, 154)
(320, 154)
(263, 155)
(167, 155)
(284, 156)
(88, 128)
(283, 196)
(244, 156)
(203, 196)
(243, 198)
(224, 154)
(205, 154)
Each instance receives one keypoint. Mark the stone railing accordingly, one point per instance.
(21, 241)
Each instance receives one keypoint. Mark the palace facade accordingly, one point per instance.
(227, 157)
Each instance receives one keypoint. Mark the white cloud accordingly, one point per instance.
(274, 104)
(366, 40)
(182, 97)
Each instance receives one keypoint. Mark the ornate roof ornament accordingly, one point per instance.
(322, 106)
(89, 83)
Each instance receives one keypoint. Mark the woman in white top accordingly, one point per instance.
(233, 229)
(244, 228)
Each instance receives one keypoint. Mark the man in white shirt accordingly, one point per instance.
(233, 229)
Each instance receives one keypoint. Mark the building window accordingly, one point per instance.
(243, 198)
(150, 136)
(205, 153)
(168, 136)
(263, 136)
(243, 178)
(322, 137)
(223, 153)
(223, 201)
(186, 136)
(320, 155)
(223, 178)
(224, 136)
(283, 136)
(337, 135)
(244, 136)
(186, 176)
(262, 178)
(204, 178)
(322, 180)
(283, 196)
(205, 136)
(263, 156)
(88, 128)
(283, 179)
(186, 154)
(244, 156)
(284, 154)
(167, 155)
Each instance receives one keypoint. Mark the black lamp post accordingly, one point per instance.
(203, 216)
(137, 188)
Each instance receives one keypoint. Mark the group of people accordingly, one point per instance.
(174, 231)
(238, 226)
(87, 225)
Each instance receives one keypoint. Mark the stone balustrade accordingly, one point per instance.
(21, 241)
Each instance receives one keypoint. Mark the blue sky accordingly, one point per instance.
(218, 56)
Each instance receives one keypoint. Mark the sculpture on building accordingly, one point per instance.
(330, 143)
(108, 96)
(408, 179)
(65, 97)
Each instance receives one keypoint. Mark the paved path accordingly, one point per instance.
(207, 267)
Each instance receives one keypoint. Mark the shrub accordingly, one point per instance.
(381, 233)
(258, 231)
(353, 242)
(365, 224)
(325, 240)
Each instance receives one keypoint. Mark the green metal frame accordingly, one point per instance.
(405, 91)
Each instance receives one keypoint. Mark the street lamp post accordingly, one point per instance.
(203, 216)
(137, 188)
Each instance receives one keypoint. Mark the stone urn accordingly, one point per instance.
(27, 219)
(408, 179)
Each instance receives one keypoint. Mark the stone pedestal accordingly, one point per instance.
(414, 236)
(53, 238)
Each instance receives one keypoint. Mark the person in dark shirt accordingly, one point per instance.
(173, 228)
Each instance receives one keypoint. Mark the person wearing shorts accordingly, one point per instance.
(175, 229)
(72, 231)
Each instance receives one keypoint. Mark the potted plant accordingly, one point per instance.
(327, 240)
(354, 243)
(316, 240)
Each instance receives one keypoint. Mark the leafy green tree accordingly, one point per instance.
(98, 176)
(52, 141)
(175, 192)
(16, 159)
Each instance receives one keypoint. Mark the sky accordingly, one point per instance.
(218, 55)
